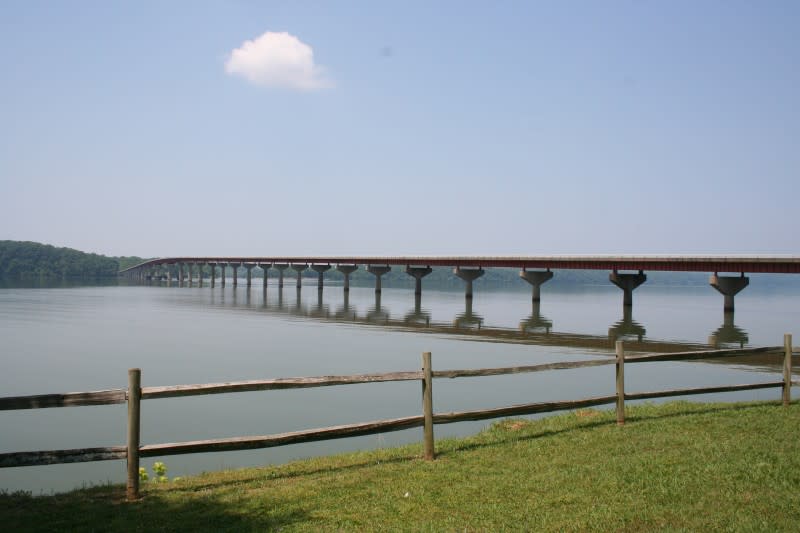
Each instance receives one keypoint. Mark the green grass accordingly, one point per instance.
(676, 467)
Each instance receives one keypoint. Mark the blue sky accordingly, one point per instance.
(417, 128)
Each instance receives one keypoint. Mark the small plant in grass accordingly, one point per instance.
(159, 473)
(160, 470)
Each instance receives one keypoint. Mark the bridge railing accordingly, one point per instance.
(134, 394)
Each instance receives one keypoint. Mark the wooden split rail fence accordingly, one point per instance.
(135, 393)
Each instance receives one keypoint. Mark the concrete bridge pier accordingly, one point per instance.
(378, 271)
(265, 267)
(320, 270)
(249, 267)
(536, 278)
(190, 276)
(299, 268)
(180, 274)
(627, 282)
(729, 286)
(418, 273)
(346, 270)
(468, 275)
(235, 272)
(280, 267)
(222, 273)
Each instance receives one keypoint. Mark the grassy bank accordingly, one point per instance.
(678, 466)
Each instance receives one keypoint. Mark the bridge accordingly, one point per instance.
(626, 272)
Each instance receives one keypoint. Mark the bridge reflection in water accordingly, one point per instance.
(728, 334)
(536, 328)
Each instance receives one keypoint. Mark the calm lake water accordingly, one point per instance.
(87, 337)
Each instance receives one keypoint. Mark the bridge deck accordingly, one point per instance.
(744, 264)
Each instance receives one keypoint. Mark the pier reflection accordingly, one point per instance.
(280, 304)
(468, 319)
(728, 334)
(418, 316)
(536, 322)
(345, 312)
(321, 310)
(377, 314)
(298, 304)
(626, 328)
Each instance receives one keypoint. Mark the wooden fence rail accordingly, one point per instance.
(69, 399)
(135, 393)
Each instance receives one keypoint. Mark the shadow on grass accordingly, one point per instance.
(492, 439)
(289, 472)
(105, 509)
(688, 409)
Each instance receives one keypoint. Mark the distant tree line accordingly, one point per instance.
(129, 261)
(29, 260)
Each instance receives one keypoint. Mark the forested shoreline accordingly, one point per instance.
(20, 260)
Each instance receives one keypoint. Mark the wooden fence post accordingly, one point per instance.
(787, 368)
(620, 384)
(134, 399)
(427, 404)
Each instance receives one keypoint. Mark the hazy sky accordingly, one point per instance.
(260, 128)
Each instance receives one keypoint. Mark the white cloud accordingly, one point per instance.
(277, 59)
